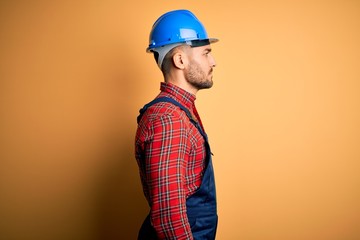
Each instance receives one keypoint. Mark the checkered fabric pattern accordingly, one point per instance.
(171, 156)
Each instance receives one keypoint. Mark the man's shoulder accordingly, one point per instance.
(163, 109)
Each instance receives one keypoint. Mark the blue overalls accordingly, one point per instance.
(201, 205)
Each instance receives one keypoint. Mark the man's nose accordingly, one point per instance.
(212, 61)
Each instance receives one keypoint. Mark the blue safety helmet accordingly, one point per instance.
(179, 26)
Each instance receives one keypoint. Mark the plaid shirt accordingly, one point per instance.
(171, 156)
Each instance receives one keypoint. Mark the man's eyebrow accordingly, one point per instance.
(207, 50)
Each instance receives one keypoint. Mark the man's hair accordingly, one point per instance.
(168, 61)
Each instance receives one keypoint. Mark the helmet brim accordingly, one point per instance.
(213, 40)
(192, 43)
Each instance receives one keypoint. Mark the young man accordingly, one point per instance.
(171, 146)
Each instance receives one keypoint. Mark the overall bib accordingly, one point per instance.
(201, 205)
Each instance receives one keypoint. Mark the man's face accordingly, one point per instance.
(198, 73)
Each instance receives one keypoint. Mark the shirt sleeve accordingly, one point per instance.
(166, 158)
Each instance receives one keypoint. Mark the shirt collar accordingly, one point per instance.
(178, 93)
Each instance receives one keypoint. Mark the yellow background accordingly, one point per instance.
(283, 117)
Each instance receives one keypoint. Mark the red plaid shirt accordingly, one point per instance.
(171, 156)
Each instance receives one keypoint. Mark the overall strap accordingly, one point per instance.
(176, 103)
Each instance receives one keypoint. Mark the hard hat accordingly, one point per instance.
(175, 28)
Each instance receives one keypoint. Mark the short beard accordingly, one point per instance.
(197, 78)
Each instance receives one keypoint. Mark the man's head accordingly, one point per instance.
(179, 35)
(195, 64)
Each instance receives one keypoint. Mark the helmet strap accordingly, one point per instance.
(162, 51)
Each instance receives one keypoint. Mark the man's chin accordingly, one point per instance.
(208, 85)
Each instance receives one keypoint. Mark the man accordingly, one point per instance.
(171, 147)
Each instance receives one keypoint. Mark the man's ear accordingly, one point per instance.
(180, 59)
